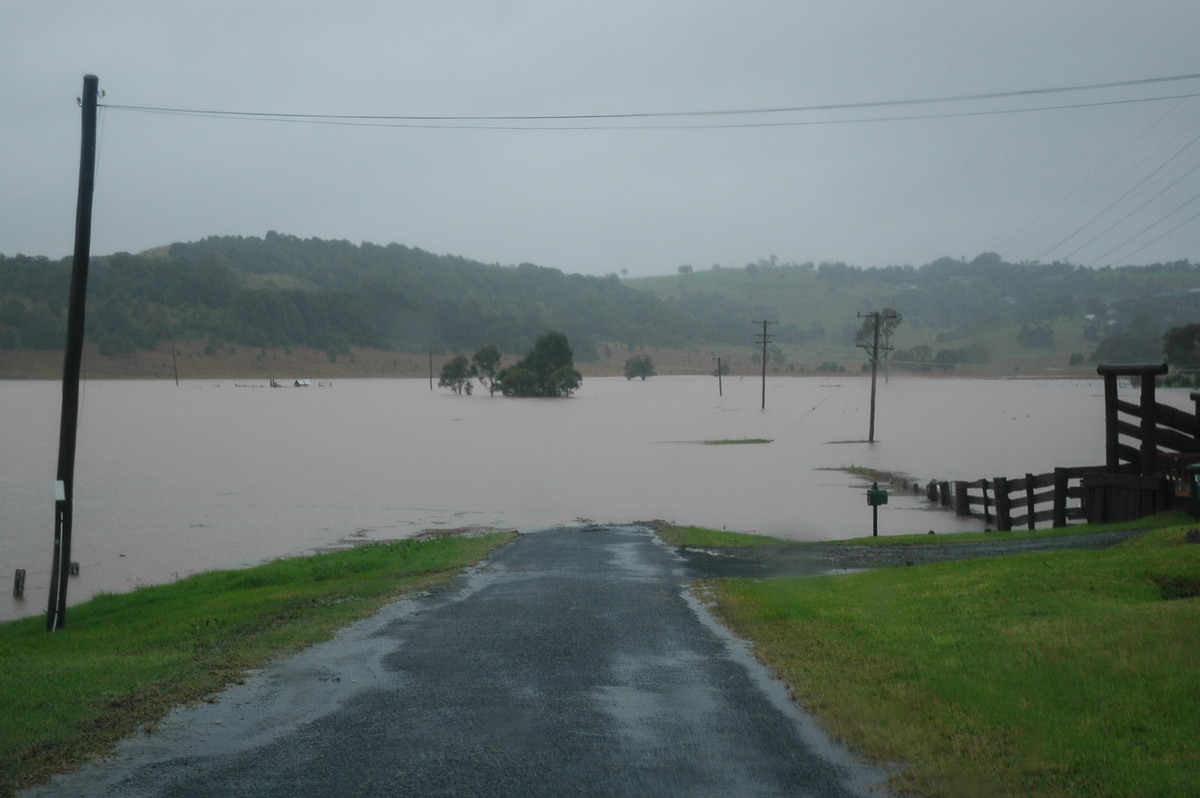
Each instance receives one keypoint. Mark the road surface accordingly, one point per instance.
(572, 663)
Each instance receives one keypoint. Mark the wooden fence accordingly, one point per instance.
(1158, 438)
(1148, 447)
(1056, 498)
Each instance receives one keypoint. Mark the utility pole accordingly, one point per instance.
(764, 338)
(64, 490)
(873, 351)
(720, 390)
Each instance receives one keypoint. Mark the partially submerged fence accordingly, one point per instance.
(1148, 447)
(1054, 498)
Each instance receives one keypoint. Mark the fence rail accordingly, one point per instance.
(1056, 497)
(1148, 447)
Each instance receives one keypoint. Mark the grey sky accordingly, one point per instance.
(605, 200)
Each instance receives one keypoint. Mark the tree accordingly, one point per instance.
(639, 366)
(1036, 337)
(548, 369)
(1128, 348)
(1181, 345)
(889, 320)
(485, 365)
(456, 375)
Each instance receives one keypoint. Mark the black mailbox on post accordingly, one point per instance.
(875, 497)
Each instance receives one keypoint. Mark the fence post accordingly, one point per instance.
(1195, 397)
(1149, 430)
(987, 513)
(962, 505)
(1061, 482)
(945, 494)
(1003, 505)
(931, 491)
(1030, 498)
(1111, 431)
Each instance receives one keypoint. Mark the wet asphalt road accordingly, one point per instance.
(573, 663)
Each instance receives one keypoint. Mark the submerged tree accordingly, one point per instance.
(485, 365)
(548, 369)
(639, 366)
(456, 375)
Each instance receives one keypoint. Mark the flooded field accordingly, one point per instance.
(171, 480)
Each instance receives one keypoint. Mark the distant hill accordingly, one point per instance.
(982, 313)
(281, 291)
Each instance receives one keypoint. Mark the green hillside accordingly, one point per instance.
(280, 292)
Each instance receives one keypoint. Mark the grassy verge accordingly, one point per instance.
(1068, 673)
(736, 441)
(1159, 521)
(699, 537)
(124, 660)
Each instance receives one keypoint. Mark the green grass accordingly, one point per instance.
(1152, 522)
(124, 660)
(699, 537)
(735, 441)
(1070, 673)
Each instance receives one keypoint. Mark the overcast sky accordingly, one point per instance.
(637, 194)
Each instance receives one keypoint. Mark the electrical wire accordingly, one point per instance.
(1148, 228)
(381, 120)
(1032, 230)
(1189, 220)
(1119, 199)
(1125, 218)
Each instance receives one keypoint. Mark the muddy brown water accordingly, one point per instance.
(171, 480)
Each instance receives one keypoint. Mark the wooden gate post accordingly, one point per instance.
(1003, 506)
(1061, 481)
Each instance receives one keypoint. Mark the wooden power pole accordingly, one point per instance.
(764, 338)
(873, 351)
(64, 492)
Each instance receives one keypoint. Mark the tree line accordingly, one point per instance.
(285, 291)
(281, 290)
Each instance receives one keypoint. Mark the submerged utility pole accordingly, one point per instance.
(64, 490)
(873, 349)
(764, 338)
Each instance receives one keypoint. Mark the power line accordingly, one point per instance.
(458, 121)
(1119, 199)
(1148, 228)
(1144, 203)
(1032, 230)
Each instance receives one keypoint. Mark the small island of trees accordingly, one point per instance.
(547, 370)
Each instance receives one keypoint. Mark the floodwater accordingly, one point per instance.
(171, 480)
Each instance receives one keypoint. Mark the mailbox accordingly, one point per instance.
(876, 495)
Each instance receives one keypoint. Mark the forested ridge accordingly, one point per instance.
(282, 291)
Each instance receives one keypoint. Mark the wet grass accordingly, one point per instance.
(1065, 673)
(124, 660)
(736, 441)
(699, 537)
(1159, 521)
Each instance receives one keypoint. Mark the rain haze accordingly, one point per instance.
(617, 137)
